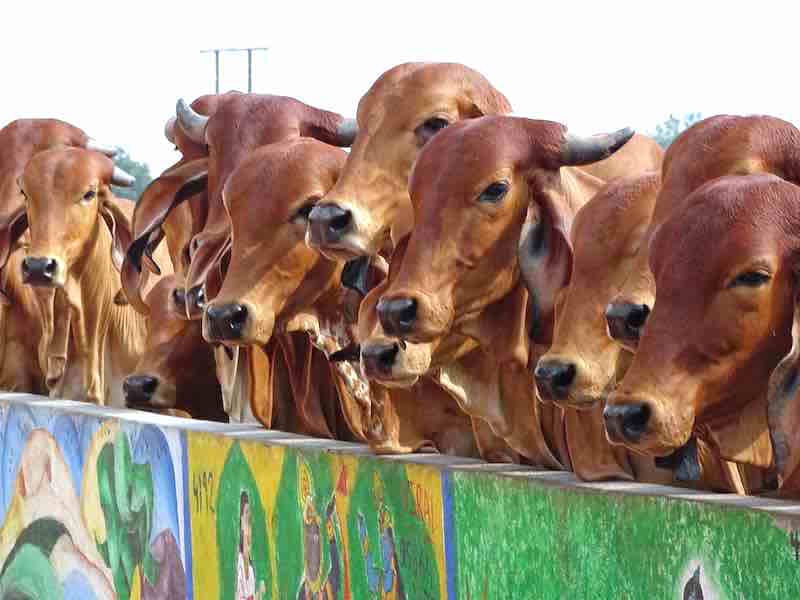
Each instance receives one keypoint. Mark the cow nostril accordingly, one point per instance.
(139, 387)
(238, 316)
(387, 355)
(564, 375)
(407, 312)
(340, 222)
(554, 378)
(397, 315)
(637, 316)
(197, 297)
(50, 266)
(179, 296)
(634, 420)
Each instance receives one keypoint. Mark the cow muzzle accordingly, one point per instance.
(554, 379)
(398, 316)
(328, 224)
(43, 271)
(625, 322)
(225, 322)
(379, 358)
(626, 423)
(139, 390)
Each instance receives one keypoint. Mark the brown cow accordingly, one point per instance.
(19, 141)
(240, 124)
(369, 210)
(278, 285)
(471, 187)
(177, 368)
(78, 235)
(717, 146)
(724, 265)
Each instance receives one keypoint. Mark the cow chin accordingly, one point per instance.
(646, 424)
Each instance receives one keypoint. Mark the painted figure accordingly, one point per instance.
(384, 581)
(245, 574)
(315, 586)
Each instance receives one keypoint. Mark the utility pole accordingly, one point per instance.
(249, 51)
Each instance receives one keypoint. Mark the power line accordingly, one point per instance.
(249, 51)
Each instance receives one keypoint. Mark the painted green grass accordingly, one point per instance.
(515, 540)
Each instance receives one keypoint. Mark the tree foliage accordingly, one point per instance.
(139, 170)
(669, 129)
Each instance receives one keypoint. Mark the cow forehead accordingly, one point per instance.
(68, 170)
(467, 154)
(722, 226)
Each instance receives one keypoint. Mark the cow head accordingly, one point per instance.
(240, 124)
(369, 205)
(177, 367)
(471, 187)
(268, 198)
(581, 365)
(724, 266)
(714, 147)
(68, 200)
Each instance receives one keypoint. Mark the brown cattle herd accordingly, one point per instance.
(461, 280)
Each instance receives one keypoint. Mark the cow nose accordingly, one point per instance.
(179, 296)
(139, 389)
(38, 270)
(380, 357)
(226, 321)
(329, 222)
(626, 422)
(554, 378)
(625, 320)
(397, 315)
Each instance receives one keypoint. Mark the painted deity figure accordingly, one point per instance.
(315, 586)
(384, 581)
(245, 574)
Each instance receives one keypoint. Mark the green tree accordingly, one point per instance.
(139, 170)
(669, 129)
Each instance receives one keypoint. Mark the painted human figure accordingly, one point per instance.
(245, 574)
(315, 586)
(384, 581)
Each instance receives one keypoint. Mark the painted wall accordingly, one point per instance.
(98, 503)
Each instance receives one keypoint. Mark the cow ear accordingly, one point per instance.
(120, 230)
(11, 230)
(545, 255)
(783, 405)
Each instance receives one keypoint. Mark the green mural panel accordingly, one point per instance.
(520, 540)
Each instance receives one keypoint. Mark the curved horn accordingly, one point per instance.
(578, 150)
(109, 151)
(121, 178)
(169, 130)
(346, 131)
(194, 124)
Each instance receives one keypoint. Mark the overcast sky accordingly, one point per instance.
(116, 69)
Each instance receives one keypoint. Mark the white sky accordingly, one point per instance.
(116, 69)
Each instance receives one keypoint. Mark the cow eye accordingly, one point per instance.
(750, 279)
(89, 196)
(494, 193)
(430, 128)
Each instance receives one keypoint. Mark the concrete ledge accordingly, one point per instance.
(330, 517)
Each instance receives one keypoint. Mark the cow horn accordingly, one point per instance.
(578, 150)
(347, 130)
(121, 178)
(169, 130)
(109, 151)
(194, 124)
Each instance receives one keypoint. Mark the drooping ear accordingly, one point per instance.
(216, 275)
(783, 405)
(160, 197)
(545, 255)
(120, 229)
(11, 229)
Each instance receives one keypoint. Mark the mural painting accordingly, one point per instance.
(311, 525)
(89, 508)
(512, 542)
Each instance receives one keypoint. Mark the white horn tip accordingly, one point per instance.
(121, 178)
(169, 129)
(110, 151)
